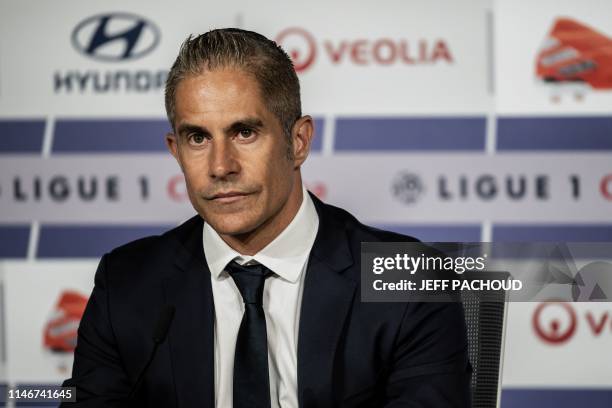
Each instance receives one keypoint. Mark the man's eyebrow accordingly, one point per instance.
(187, 128)
(249, 123)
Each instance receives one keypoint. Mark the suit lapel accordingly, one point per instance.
(191, 335)
(326, 301)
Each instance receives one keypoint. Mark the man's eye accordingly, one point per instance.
(196, 138)
(245, 133)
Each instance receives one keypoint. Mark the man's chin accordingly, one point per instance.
(230, 225)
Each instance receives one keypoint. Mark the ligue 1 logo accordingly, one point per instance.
(407, 187)
(115, 37)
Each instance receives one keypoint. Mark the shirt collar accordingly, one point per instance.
(285, 255)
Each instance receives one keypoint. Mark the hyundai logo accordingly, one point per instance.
(115, 37)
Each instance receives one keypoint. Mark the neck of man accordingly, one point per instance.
(254, 241)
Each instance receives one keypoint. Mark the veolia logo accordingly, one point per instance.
(115, 37)
(300, 45)
(304, 49)
(554, 322)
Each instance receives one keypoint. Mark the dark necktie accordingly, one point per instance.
(251, 378)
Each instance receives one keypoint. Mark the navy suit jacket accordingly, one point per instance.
(350, 353)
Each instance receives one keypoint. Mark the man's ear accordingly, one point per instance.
(302, 134)
(172, 144)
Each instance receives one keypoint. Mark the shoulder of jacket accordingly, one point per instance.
(363, 232)
(153, 244)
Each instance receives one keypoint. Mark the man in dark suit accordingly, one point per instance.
(265, 280)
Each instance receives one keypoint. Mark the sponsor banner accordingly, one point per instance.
(398, 57)
(560, 344)
(44, 302)
(467, 188)
(559, 61)
(410, 188)
(94, 59)
(92, 189)
(114, 58)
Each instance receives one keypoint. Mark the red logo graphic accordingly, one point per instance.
(300, 45)
(549, 329)
(60, 334)
(574, 53)
(605, 187)
(177, 189)
(303, 49)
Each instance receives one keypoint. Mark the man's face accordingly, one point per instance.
(233, 152)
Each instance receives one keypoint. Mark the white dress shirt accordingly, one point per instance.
(287, 257)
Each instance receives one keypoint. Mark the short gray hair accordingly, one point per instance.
(247, 51)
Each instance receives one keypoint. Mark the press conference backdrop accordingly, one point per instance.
(436, 119)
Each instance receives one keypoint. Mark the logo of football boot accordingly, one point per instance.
(575, 57)
(60, 334)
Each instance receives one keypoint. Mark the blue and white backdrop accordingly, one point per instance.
(429, 121)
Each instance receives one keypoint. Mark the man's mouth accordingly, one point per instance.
(228, 197)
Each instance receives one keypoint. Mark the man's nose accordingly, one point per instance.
(223, 160)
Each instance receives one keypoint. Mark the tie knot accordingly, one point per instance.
(250, 280)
